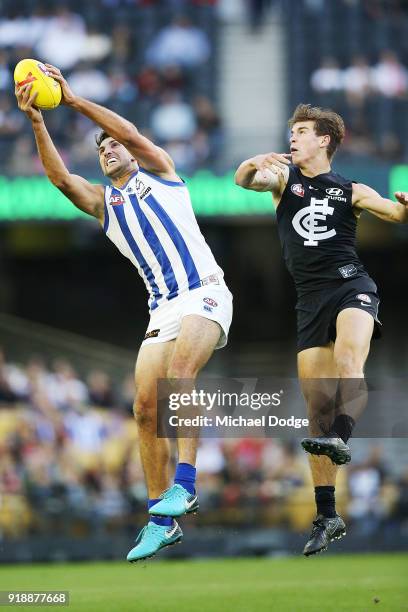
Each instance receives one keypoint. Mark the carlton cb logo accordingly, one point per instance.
(306, 222)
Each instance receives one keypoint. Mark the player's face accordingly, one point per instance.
(305, 144)
(114, 158)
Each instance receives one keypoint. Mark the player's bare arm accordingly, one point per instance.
(366, 198)
(85, 195)
(150, 156)
(266, 172)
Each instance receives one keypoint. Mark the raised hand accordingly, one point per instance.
(277, 163)
(402, 197)
(26, 101)
(68, 97)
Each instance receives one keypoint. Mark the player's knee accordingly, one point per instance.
(349, 362)
(144, 412)
(179, 369)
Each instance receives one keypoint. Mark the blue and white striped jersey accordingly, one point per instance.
(152, 223)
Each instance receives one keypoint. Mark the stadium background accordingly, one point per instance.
(213, 82)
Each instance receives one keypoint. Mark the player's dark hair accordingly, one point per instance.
(326, 122)
(100, 137)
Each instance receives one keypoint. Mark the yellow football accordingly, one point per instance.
(35, 72)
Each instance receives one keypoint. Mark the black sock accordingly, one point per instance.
(343, 426)
(325, 501)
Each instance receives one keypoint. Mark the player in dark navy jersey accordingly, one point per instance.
(337, 308)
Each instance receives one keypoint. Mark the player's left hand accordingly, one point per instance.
(26, 101)
(68, 96)
(402, 197)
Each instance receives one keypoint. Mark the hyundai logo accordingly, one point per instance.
(334, 191)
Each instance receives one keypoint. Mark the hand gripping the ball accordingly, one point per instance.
(275, 164)
(26, 101)
(68, 97)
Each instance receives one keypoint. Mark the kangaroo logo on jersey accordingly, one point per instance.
(142, 190)
(306, 222)
(298, 190)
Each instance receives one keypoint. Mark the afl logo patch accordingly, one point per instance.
(210, 302)
(298, 190)
(364, 298)
(116, 200)
(334, 191)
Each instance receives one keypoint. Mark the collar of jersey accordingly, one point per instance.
(312, 178)
(127, 182)
(158, 178)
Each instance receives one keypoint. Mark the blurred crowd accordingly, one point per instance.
(372, 99)
(69, 464)
(155, 67)
(351, 55)
(155, 62)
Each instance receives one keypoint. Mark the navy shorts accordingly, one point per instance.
(317, 313)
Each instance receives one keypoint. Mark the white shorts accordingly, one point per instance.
(212, 302)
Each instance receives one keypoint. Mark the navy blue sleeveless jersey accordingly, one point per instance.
(317, 230)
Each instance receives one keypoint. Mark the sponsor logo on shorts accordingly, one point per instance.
(210, 302)
(212, 279)
(347, 271)
(364, 298)
(207, 308)
(152, 334)
(298, 190)
(116, 200)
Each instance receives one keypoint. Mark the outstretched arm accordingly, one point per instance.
(85, 195)
(150, 156)
(267, 172)
(366, 198)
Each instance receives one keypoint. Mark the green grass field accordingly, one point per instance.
(342, 582)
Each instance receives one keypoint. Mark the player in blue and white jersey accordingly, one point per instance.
(146, 212)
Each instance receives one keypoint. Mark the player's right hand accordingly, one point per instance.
(279, 160)
(26, 100)
(68, 96)
(274, 162)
